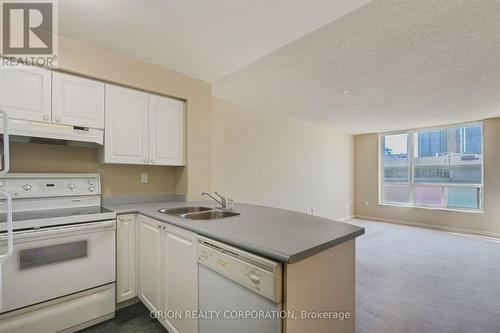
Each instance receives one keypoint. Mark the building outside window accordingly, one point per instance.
(433, 168)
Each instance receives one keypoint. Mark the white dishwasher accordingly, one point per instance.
(239, 292)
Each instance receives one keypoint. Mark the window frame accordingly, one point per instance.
(411, 171)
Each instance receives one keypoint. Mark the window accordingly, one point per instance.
(433, 168)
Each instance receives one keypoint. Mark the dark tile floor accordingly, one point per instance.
(132, 319)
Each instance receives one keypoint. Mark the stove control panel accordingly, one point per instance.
(45, 185)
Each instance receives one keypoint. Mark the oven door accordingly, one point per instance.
(52, 262)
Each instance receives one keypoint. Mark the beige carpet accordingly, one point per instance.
(412, 279)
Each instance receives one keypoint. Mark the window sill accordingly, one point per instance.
(473, 211)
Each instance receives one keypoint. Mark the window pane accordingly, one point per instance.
(463, 197)
(450, 155)
(431, 196)
(396, 158)
(396, 194)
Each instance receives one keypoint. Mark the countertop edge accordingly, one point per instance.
(325, 246)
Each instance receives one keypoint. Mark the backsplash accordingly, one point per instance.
(116, 179)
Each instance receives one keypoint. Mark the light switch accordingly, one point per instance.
(144, 178)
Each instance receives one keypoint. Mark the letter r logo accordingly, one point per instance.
(27, 28)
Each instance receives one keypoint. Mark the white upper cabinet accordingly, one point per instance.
(166, 131)
(126, 134)
(26, 93)
(77, 101)
(143, 128)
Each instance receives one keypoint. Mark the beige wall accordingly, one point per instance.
(270, 160)
(366, 189)
(116, 179)
(85, 59)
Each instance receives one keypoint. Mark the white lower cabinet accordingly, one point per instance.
(168, 272)
(180, 277)
(125, 257)
(149, 262)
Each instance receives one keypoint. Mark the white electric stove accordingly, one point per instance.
(61, 274)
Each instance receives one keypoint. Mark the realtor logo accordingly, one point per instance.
(29, 31)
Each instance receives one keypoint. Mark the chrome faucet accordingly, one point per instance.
(225, 203)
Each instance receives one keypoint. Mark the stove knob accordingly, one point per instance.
(91, 182)
(27, 187)
(2, 184)
(71, 186)
(91, 188)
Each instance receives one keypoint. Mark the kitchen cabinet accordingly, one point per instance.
(149, 263)
(168, 272)
(26, 93)
(180, 277)
(166, 131)
(143, 128)
(77, 101)
(126, 133)
(125, 257)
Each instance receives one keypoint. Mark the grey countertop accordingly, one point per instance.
(278, 234)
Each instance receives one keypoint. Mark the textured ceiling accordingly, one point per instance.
(405, 63)
(200, 38)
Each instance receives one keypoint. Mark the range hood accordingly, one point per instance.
(34, 129)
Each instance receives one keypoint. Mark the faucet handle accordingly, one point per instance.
(226, 202)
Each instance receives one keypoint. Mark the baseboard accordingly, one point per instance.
(465, 231)
(126, 303)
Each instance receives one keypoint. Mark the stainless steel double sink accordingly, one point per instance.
(198, 213)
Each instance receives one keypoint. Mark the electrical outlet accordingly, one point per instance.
(366, 203)
(144, 178)
(310, 210)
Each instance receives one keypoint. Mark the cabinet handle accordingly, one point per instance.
(152, 162)
(58, 119)
(254, 278)
(45, 117)
(145, 161)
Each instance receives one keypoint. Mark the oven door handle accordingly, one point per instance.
(60, 231)
(10, 233)
(6, 144)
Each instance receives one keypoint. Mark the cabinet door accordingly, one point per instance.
(149, 262)
(166, 131)
(125, 257)
(126, 139)
(77, 101)
(180, 277)
(25, 93)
